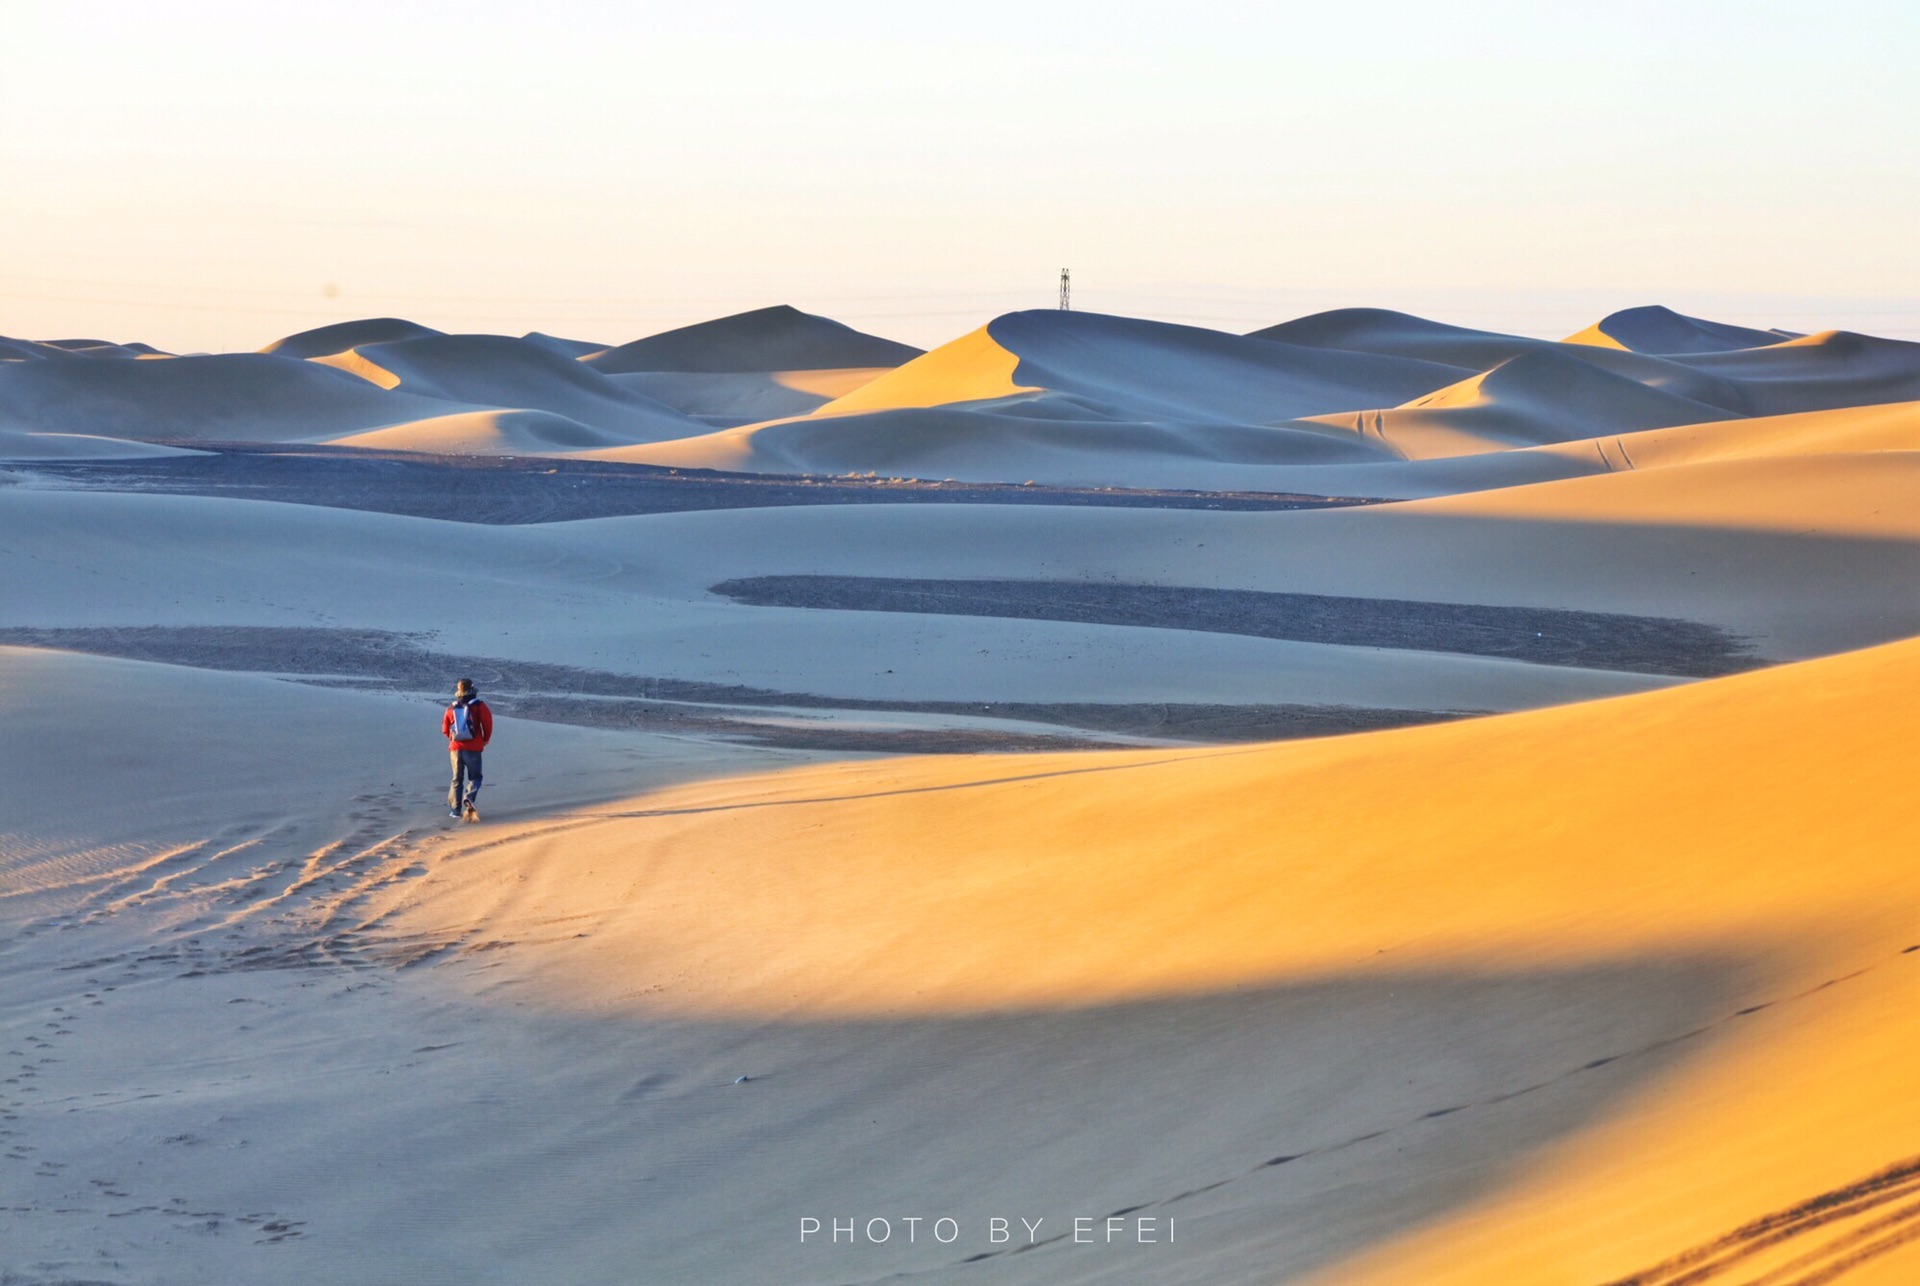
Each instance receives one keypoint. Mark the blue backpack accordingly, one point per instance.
(465, 726)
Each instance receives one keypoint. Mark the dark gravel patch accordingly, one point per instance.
(1540, 635)
(379, 660)
(501, 490)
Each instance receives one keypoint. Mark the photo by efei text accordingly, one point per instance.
(1084, 1230)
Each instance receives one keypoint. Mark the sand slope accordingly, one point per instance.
(1845, 430)
(781, 338)
(974, 367)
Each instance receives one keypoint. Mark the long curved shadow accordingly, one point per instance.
(1263, 1133)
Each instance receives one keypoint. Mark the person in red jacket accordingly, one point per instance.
(468, 727)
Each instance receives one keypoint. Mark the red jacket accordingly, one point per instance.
(482, 719)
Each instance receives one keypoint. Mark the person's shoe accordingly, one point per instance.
(472, 813)
(453, 812)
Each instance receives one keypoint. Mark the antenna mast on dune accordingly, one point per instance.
(1066, 289)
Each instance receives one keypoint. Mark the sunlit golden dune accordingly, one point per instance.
(969, 369)
(1863, 494)
(1763, 821)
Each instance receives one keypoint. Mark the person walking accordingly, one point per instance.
(468, 727)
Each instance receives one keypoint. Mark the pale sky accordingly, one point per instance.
(214, 175)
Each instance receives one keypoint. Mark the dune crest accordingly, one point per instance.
(779, 338)
(1394, 334)
(324, 341)
(1662, 331)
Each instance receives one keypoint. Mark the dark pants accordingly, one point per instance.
(466, 766)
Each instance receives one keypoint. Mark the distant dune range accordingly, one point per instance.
(1410, 803)
(1336, 403)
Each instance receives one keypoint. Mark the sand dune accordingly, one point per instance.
(781, 338)
(1864, 494)
(1654, 329)
(498, 371)
(102, 348)
(234, 397)
(1818, 372)
(1373, 330)
(1162, 811)
(341, 336)
(1551, 394)
(974, 367)
(1070, 885)
(1543, 396)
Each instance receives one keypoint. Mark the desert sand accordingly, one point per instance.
(1373, 801)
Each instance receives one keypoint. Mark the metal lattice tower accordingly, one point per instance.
(1066, 289)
